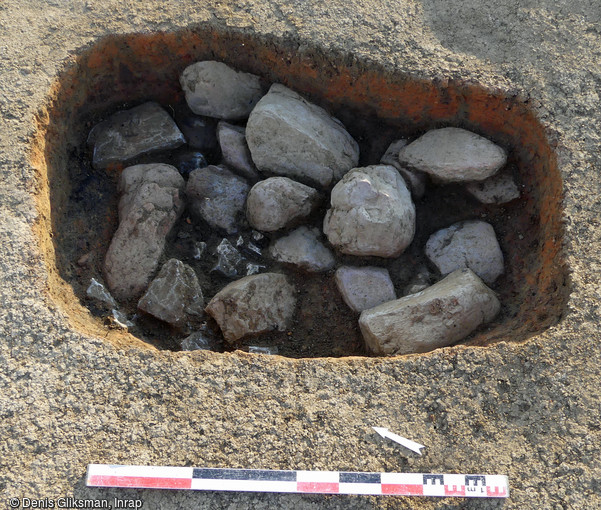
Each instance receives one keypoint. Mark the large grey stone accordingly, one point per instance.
(278, 201)
(253, 304)
(441, 315)
(372, 213)
(150, 204)
(130, 133)
(470, 244)
(216, 90)
(498, 189)
(364, 287)
(289, 136)
(217, 196)
(454, 155)
(235, 152)
(303, 248)
(174, 296)
(415, 180)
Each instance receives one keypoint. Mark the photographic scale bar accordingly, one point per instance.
(299, 482)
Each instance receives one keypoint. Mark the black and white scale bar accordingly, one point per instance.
(313, 482)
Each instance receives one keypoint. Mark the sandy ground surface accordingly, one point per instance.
(529, 410)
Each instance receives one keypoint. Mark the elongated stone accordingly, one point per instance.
(150, 204)
(235, 152)
(454, 155)
(287, 135)
(441, 315)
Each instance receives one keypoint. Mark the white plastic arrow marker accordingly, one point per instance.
(407, 443)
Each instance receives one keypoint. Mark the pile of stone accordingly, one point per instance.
(257, 166)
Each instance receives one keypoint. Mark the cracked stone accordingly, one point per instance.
(471, 244)
(98, 292)
(229, 260)
(372, 213)
(277, 202)
(174, 296)
(253, 304)
(303, 248)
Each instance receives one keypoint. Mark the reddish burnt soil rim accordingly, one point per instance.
(132, 68)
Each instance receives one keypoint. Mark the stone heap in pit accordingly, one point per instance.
(278, 158)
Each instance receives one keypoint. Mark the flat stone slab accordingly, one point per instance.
(150, 204)
(216, 90)
(364, 287)
(217, 196)
(303, 248)
(498, 189)
(130, 133)
(277, 202)
(287, 135)
(174, 296)
(471, 244)
(454, 155)
(372, 213)
(441, 315)
(253, 304)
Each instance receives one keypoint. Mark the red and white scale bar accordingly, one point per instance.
(313, 482)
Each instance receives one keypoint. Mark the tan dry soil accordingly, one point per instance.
(74, 392)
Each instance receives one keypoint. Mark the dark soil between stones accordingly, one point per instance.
(79, 204)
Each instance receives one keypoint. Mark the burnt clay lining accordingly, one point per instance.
(78, 205)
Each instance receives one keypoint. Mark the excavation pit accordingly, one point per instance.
(78, 204)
